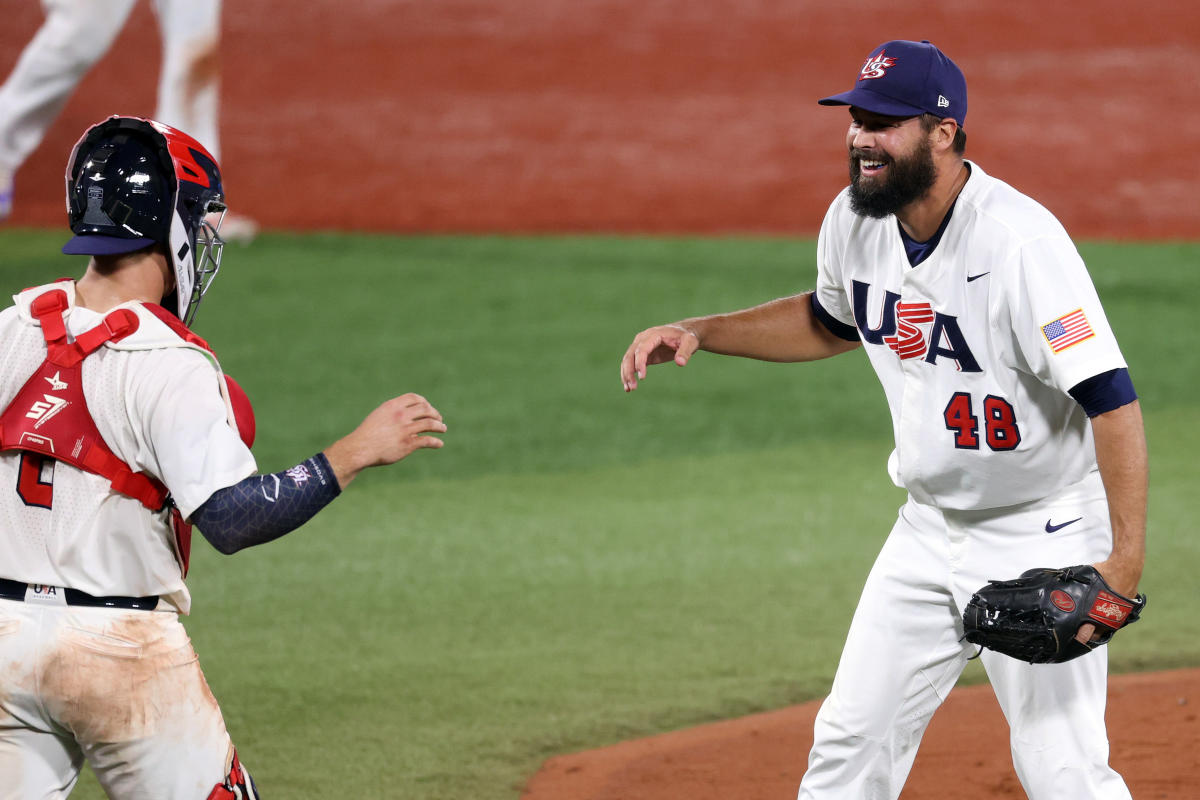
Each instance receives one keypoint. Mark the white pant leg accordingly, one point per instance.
(902, 657)
(188, 84)
(124, 688)
(1055, 715)
(1055, 712)
(36, 765)
(38, 760)
(74, 36)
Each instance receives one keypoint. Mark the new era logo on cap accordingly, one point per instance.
(903, 79)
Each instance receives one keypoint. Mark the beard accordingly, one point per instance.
(910, 179)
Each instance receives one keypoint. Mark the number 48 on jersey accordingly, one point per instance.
(1000, 430)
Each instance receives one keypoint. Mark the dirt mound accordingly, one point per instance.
(1152, 724)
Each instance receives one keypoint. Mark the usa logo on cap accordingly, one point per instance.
(901, 78)
(876, 66)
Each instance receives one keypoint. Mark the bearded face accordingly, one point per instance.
(881, 184)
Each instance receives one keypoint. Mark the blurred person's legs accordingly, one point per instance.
(189, 84)
(74, 36)
(189, 80)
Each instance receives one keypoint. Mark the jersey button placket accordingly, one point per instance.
(908, 436)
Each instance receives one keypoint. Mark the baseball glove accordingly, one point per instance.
(1035, 617)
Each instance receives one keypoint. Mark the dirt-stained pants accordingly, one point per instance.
(121, 689)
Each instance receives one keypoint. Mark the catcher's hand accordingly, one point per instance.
(1035, 617)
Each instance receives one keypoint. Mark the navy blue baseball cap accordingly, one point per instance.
(903, 79)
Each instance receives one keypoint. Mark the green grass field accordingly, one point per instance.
(577, 566)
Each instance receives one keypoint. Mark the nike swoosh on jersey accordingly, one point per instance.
(977, 277)
(1052, 528)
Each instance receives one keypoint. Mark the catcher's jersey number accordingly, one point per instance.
(35, 481)
(1000, 429)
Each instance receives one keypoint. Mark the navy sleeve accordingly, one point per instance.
(1104, 392)
(835, 326)
(265, 507)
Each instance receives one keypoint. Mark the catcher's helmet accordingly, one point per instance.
(133, 183)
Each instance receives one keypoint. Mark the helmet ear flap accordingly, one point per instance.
(194, 244)
(179, 250)
(196, 256)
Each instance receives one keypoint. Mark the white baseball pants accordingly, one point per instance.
(121, 689)
(903, 654)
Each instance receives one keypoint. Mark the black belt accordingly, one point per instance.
(15, 590)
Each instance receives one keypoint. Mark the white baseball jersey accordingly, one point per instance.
(976, 347)
(158, 404)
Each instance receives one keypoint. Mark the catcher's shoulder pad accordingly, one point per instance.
(1035, 617)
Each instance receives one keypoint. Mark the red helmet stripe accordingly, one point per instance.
(181, 147)
(186, 168)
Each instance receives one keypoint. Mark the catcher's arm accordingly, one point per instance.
(262, 508)
(1121, 455)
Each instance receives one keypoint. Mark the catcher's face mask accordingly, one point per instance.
(207, 262)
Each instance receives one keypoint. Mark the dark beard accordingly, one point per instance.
(911, 179)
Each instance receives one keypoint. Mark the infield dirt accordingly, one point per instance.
(1151, 720)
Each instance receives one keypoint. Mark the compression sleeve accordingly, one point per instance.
(1104, 392)
(265, 507)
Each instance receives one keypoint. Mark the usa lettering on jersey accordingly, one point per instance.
(912, 330)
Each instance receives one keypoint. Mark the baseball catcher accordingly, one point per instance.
(118, 431)
(1036, 617)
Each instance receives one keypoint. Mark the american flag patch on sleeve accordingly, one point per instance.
(1067, 330)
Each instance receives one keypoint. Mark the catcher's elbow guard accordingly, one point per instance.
(238, 785)
(1035, 617)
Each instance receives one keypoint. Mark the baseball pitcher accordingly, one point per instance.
(1018, 438)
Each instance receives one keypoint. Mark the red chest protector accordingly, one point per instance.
(49, 416)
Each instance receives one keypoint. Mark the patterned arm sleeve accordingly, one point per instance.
(265, 507)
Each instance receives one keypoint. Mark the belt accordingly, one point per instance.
(15, 590)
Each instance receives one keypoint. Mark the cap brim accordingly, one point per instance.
(97, 245)
(867, 100)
